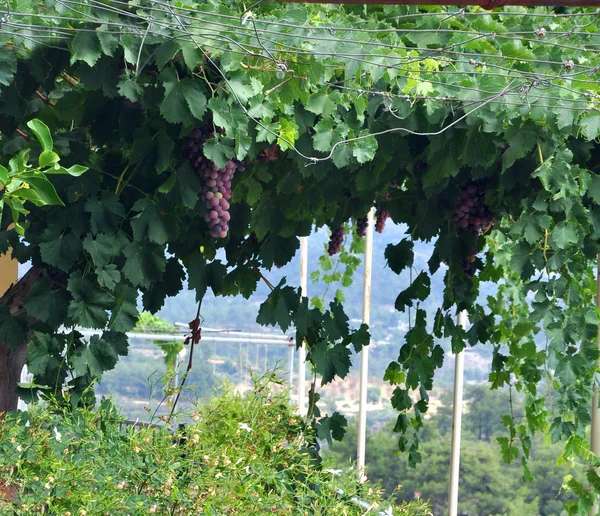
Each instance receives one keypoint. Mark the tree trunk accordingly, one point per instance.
(13, 360)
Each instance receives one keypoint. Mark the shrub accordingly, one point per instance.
(241, 455)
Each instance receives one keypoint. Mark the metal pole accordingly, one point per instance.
(459, 368)
(302, 357)
(595, 429)
(364, 354)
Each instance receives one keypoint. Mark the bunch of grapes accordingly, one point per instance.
(381, 216)
(361, 226)
(468, 264)
(216, 181)
(470, 213)
(335, 240)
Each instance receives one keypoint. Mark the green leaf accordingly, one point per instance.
(323, 102)
(520, 141)
(278, 308)
(74, 171)
(288, 134)
(323, 137)
(102, 248)
(333, 426)
(108, 276)
(100, 355)
(125, 313)
(129, 89)
(47, 303)
(85, 46)
(3, 175)
(184, 99)
(364, 149)
(564, 234)
(594, 189)
(106, 212)
(590, 123)
(400, 255)
(8, 66)
(144, 264)
(42, 133)
(418, 290)
(44, 358)
(219, 151)
(185, 187)
(44, 190)
(59, 249)
(360, 338)
(90, 303)
(150, 222)
(330, 362)
(48, 158)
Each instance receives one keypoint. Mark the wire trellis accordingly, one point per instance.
(464, 58)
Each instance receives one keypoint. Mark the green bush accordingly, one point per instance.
(238, 455)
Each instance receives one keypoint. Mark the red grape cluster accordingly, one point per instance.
(381, 216)
(335, 240)
(470, 213)
(362, 224)
(216, 188)
(468, 264)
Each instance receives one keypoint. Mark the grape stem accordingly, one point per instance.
(193, 339)
(268, 283)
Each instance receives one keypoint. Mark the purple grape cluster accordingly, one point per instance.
(468, 265)
(362, 224)
(335, 240)
(216, 181)
(381, 216)
(470, 213)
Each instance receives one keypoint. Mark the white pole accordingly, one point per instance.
(459, 367)
(302, 357)
(292, 348)
(595, 429)
(364, 354)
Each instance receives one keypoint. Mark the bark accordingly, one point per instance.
(13, 360)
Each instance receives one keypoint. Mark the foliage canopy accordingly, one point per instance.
(398, 106)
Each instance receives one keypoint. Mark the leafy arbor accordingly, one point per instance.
(506, 101)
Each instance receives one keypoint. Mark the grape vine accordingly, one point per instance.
(512, 118)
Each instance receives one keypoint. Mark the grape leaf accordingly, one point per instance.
(564, 234)
(184, 99)
(45, 303)
(124, 314)
(400, 255)
(151, 221)
(90, 303)
(59, 249)
(590, 122)
(330, 362)
(145, 264)
(333, 426)
(418, 290)
(108, 276)
(279, 306)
